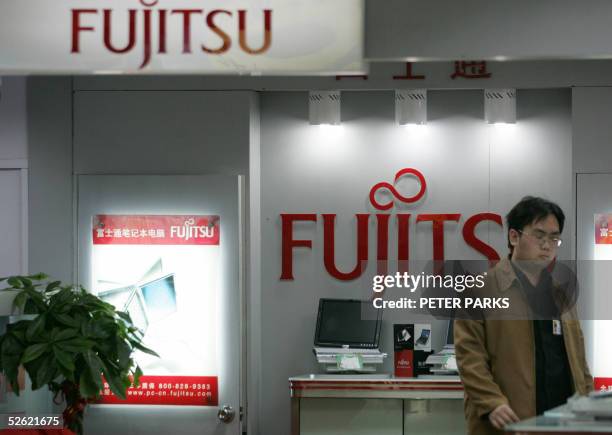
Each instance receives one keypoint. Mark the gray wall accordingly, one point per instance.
(11, 223)
(161, 132)
(13, 176)
(50, 184)
(470, 167)
(592, 131)
(481, 29)
(13, 119)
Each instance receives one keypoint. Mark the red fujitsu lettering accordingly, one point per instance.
(329, 247)
(77, 28)
(242, 30)
(438, 230)
(288, 243)
(403, 242)
(227, 41)
(146, 58)
(162, 31)
(147, 45)
(469, 234)
(187, 13)
(382, 248)
(108, 32)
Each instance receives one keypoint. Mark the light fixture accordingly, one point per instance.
(411, 106)
(500, 106)
(324, 107)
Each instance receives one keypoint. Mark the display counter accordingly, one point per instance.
(368, 404)
(557, 421)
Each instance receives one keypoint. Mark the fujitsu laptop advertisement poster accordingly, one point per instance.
(163, 271)
(412, 345)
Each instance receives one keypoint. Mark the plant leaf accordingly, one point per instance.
(14, 282)
(87, 386)
(36, 327)
(18, 334)
(65, 334)
(76, 337)
(76, 345)
(20, 300)
(137, 374)
(94, 365)
(65, 319)
(123, 352)
(38, 277)
(125, 316)
(116, 384)
(46, 372)
(11, 346)
(53, 286)
(10, 366)
(144, 349)
(26, 282)
(34, 351)
(64, 358)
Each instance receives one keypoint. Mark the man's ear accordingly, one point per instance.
(513, 236)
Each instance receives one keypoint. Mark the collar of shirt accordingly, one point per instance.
(540, 297)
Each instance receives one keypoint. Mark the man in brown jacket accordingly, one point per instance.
(515, 369)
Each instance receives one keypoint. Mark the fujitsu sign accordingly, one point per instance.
(197, 36)
(140, 22)
(403, 220)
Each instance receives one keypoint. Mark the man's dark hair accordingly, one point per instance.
(532, 209)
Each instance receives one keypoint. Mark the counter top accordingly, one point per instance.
(560, 421)
(376, 386)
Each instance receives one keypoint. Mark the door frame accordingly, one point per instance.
(21, 165)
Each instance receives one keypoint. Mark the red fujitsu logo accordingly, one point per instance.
(391, 188)
(148, 27)
(402, 221)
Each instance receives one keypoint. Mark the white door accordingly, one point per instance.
(13, 222)
(194, 321)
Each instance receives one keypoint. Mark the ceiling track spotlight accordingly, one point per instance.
(411, 106)
(500, 106)
(324, 107)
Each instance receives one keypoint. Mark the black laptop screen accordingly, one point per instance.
(350, 323)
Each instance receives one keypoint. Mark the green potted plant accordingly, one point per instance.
(71, 341)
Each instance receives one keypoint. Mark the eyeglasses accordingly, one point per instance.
(542, 237)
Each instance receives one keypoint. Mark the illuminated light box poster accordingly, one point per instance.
(602, 364)
(603, 229)
(164, 271)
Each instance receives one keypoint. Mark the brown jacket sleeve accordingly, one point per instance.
(588, 378)
(474, 366)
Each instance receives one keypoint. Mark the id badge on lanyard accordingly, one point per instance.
(556, 327)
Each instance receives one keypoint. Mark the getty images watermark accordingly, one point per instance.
(411, 283)
(473, 289)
